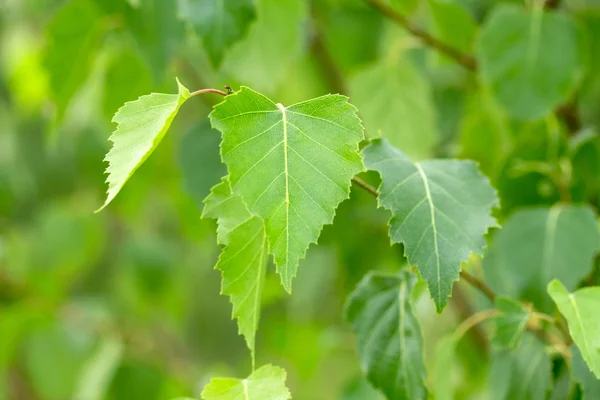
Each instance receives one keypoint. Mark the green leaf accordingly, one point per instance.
(390, 343)
(291, 165)
(440, 211)
(454, 24)
(531, 61)
(98, 371)
(230, 210)
(273, 42)
(243, 260)
(127, 78)
(580, 308)
(395, 84)
(511, 323)
(157, 33)
(266, 383)
(73, 36)
(219, 23)
(521, 374)
(538, 245)
(141, 126)
(590, 384)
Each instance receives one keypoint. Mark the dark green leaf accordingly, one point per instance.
(390, 343)
(511, 323)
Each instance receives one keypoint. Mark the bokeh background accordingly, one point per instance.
(125, 304)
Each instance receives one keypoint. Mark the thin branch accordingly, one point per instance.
(202, 91)
(366, 186)
(465, 60)
(479, 284)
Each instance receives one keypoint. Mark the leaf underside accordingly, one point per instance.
(390, 343)
(441, 210)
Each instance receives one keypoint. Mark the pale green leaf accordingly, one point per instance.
(521, 374)
(230, 210)
(454, 24)
(540, 244)
(531, 60)
(98, 371)
(395, 101)
(266, 383)
(73, 36)
(441, 210)
(580, 308)
(244, 258)
(291, 165)
(219, 23)
(390, 343)
(141, 126)
(511, 323)
(273, 42)
(590, 384)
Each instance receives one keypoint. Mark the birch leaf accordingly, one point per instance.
(441, 210)
(292, 166)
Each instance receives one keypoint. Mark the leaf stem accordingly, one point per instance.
(474, 320)
(202, 91)
(366, 186)
(479, 284)
(465, 60)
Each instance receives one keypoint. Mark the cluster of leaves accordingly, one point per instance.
(529, 123)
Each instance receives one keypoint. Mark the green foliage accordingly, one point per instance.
(243, 260)
(285, 169)
(538, 245)
(267, 382)
(579, 309)
(390, 344)
(532, 60)
(219, 23)
(464, 102)
(141, 126)
(441, 210)
(511, 323)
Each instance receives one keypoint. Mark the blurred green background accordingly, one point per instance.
(125, 304)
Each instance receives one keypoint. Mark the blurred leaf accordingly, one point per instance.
(141, 126)
(484, 133)
(243, 260)
(200, 160)
(291, 165)
(440, 215)
(273, 42)
(360, 389)
(137, 380)
(511, 323)
(445, 365)
(404, 6)
(590, 384)
(98, 371)
(531, 60)
(157, 32)
(580, 309)
(219, 23)
(73, 37)
(390, 343)
(267, 382)
(521, 374)
(538, 245)
(585, 163)
(395, 102)
(454, 24)
(54, 357)
(127, 78)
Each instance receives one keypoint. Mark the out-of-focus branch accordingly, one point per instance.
(465, 60)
